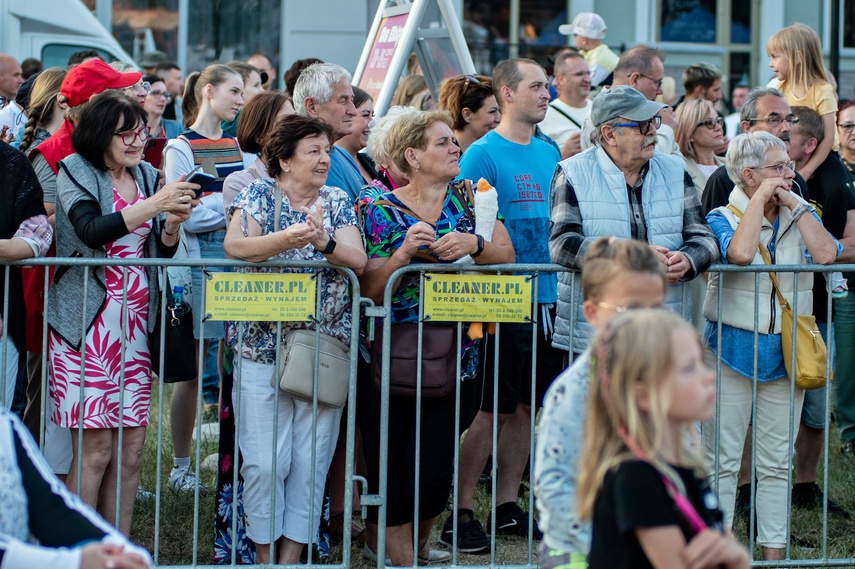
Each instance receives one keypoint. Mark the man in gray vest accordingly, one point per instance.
(622, 188)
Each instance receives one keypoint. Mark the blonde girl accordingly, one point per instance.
(47, 108)
(618, 275)
(795, 57)
(641, 478)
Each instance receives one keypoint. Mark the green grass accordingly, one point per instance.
(177, 513)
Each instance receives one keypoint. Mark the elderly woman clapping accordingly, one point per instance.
(762, 213)
(316, 222)
(428, 220)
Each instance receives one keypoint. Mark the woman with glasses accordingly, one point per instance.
(473, 107)
(763, 216)
(155, 104)
(139, 90)
(700, 134)
(108, 207)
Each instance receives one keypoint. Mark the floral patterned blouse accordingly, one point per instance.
(385, 223)
(257, 201)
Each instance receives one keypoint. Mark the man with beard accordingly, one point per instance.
(621, 188)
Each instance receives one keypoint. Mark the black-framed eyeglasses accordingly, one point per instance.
(776, 120)
(164, 94)
(779, 167)
(712, 123)
(657, 82)
(846, 126)
(643, 126)
(129, 136)
(471, 79)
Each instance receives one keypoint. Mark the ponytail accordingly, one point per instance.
(215, 74)
(189, 104)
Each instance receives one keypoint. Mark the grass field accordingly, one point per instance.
(177, 515)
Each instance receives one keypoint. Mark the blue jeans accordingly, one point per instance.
(843, 386)
(211, 247)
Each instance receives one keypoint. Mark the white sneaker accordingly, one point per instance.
(183, 480)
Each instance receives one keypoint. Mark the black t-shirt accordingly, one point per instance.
(832, 195)
(719, 185)
(634, 496)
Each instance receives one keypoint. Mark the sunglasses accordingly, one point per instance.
(470, 79)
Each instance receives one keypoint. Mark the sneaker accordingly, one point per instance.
(470, 536)
(808, 495)
(839, 288)
(369, 555)
(847, 448)
(144, 495)
(182, 480)
(515, 523)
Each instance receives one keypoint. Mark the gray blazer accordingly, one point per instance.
(78, 180)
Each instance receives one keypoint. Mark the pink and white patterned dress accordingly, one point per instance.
(103, 350)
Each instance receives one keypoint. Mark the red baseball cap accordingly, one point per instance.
(86, 80)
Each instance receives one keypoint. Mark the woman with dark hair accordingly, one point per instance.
(259, 119)
(354, 142)
(155, 105)
(473, 108)
(107, 207)
(316, 222)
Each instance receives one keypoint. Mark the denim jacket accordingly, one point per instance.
(558, 449)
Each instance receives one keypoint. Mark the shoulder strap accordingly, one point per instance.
(277, 210)
(767, 258)
(467, 186)
(565, 115)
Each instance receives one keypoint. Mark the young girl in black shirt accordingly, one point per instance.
(641, 476)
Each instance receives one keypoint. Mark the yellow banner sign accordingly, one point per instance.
(263, 297)
(477, 298)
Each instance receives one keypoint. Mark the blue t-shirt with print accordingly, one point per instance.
(521, 175)
(344, 173)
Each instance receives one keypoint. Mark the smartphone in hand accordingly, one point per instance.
(153, 151)
(205, 174)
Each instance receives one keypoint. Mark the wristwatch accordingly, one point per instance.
(329, 248)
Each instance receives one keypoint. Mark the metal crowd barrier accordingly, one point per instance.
(524, 554)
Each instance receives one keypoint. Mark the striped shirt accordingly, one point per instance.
(223, 151)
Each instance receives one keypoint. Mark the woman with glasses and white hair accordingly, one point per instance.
(139, 90)
(108, 207)
(700, 135)
(762, 213)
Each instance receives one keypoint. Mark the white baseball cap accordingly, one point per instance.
(585, 24)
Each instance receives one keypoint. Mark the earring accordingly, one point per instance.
(287, 170)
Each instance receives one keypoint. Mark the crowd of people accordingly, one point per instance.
(637, 196)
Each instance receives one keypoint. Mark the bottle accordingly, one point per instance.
(177, 296)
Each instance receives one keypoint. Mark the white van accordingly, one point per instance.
(51, 30)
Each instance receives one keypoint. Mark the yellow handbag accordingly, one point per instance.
(808, 369)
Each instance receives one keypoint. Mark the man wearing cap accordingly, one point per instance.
(82, 82)
(588, 30)
(566, 113)
(151, 59)
(622, 188)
